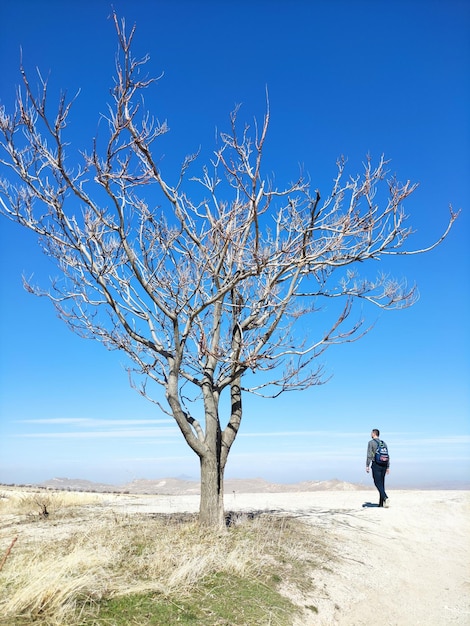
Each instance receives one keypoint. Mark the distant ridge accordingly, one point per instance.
(182, 486)
(185, 486)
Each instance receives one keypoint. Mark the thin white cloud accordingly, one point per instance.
(416, 442)
(302, 433)
(156, 459)
(90, 422)
(404, 439)
(135, 433)
(447, 440)
(56, 420)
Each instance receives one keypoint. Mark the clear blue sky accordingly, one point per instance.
(344, 78)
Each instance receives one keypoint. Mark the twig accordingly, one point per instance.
(7, 554)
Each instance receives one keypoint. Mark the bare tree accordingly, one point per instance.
(201, 290)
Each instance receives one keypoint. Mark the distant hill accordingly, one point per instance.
(185, 486)
(181, 486)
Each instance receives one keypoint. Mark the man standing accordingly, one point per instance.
(380, 466)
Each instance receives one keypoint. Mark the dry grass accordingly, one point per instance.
(65, 564)
(32, 501)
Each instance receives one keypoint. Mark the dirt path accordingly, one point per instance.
(405, 565)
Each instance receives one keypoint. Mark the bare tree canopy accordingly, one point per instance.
(202, 281)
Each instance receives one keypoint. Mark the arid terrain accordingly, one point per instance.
(410, 561)
(183, 486)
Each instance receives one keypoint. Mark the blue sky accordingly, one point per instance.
(344, 78)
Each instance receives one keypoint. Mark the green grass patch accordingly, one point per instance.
(221, 600)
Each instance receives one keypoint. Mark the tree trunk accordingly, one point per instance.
(211, 509)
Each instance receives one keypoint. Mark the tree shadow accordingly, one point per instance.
(233, 517)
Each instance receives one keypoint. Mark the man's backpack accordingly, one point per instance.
(381, 454)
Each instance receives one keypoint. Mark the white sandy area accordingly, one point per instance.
(404, 565)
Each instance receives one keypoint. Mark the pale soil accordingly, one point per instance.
(404, 565)
(408, 564)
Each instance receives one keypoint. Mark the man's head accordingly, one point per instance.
(375, 433)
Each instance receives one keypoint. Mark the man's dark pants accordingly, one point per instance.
(378, 473)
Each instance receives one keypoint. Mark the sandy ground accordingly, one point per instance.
(408, 564)
(404, 565)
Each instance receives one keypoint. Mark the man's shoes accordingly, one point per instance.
(386, 503)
